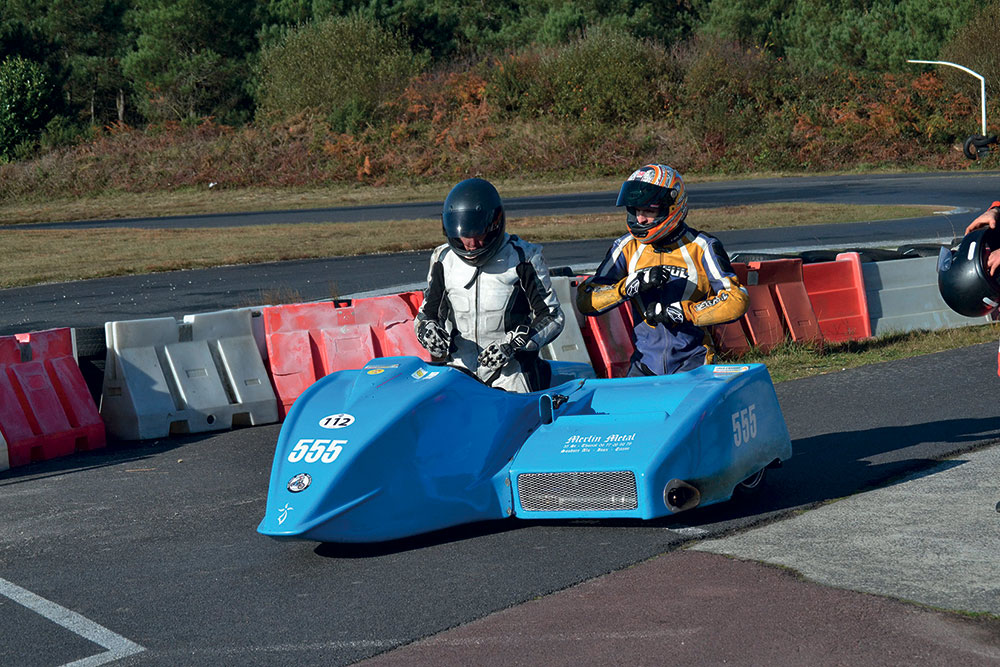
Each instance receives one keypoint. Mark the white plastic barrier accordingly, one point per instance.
(903, 296)
(220, 317)
(568, 345)
(163, 378)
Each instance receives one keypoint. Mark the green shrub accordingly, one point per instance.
(606, 76)
(732, 97)
(341, 68)
(971, 46)
(61, 131)
(875, 36)
(25, 106)
(189, 59)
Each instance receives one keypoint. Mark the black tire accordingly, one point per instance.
(747, 257)
(967, 150)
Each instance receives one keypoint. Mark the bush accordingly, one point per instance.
(733, 97)
(341, 68)
(874, 36)
(189, 59)
(969, 47)
(25, 106)
(606, 76)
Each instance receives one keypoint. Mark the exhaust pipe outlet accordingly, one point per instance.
(678, 496)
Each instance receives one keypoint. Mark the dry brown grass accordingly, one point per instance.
(37, 256)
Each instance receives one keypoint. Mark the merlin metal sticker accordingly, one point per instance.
(598, 444)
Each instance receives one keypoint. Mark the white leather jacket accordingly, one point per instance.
(479, 305)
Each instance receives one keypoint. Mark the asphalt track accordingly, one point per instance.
(156, 544)
(950, 189)
(145, 554)
(176, 293)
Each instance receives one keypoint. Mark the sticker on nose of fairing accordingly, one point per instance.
(300, 482)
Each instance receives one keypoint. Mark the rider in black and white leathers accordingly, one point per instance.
(489, 305)
(481, 305)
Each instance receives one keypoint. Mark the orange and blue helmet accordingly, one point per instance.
(657, 187)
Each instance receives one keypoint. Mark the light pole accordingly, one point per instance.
(980, 143)
(982, 82)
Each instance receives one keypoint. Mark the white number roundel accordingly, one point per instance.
(337, 421)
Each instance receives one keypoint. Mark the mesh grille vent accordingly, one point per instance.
(577, 491)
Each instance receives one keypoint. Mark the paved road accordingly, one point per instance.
(145, 554)
(156, 544)
(92, 302)
(949, 189)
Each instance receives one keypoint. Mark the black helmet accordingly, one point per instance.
(473, 210)
(963, 277)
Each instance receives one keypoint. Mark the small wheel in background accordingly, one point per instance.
(751, 484)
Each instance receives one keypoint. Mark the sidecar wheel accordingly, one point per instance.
(751, 484)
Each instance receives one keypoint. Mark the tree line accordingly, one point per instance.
(69, 68)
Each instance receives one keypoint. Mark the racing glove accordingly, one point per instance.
(498, 353)
(434, 338)
(645, 279)
(671, 315)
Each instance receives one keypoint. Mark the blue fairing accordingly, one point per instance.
(615, 445)
(402, 447)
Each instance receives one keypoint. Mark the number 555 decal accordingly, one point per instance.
(309, 450)
(744, 426)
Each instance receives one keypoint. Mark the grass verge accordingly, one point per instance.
(38, 256)
(791, 361)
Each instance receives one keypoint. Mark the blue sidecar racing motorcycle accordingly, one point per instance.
(403, 447)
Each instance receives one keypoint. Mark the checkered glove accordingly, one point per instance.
(434, 338)
(498, 353)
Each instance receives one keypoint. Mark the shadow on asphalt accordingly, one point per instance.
(417, 542)
(822, 468)
(116, 452)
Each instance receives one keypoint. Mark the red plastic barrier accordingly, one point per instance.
(731, 337)
(311, 340)
(837, 293)
(46, 410)
(779, 305)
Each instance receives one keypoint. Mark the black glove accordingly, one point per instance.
(645, 279)
(671, 315)
(434, 338)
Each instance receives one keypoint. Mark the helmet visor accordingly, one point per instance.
(474, 236)
(640, 194)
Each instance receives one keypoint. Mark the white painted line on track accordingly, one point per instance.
(118, 647)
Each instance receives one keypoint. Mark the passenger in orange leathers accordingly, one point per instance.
(678, 280)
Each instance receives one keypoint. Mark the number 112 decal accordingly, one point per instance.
(339, 420)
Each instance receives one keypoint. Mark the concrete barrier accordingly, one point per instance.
(903, 295)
